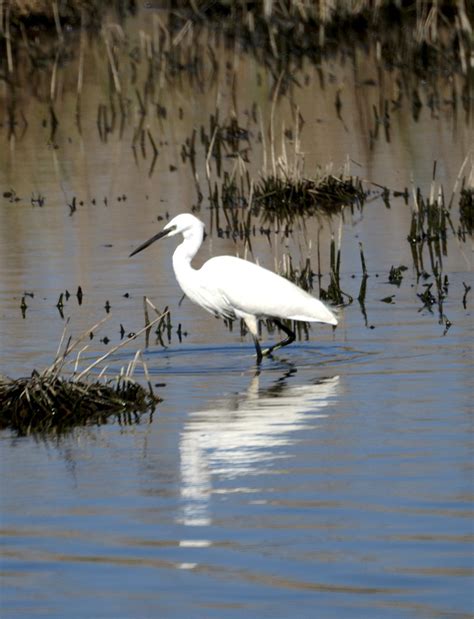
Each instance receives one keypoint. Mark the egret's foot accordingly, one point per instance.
(267, 352)
(290, 337)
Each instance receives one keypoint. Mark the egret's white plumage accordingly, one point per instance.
(234, 288)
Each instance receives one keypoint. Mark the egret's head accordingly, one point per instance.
(185, 224)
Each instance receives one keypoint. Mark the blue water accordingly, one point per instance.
(337, 480)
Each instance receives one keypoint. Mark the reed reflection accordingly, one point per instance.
(243, 435)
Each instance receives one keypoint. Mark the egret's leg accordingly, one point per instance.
(291, 337)
(252, 325)
(258, 349)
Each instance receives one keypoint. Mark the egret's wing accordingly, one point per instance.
(249, 288)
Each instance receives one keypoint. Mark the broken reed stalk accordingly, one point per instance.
(60, 360)
(8, 39)
(147, 321)
(209, 153)
(57, 20)
(147, 303)
(272, 121)
(363, 283)
(82, 44)
(112, 64)
(147, 374)
(52, 89)
(115, 348)
(362, 259)
(264, 141)
(334, 289)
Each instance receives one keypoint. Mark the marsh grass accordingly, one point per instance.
(421, 35)
(282, 198)
(62, 396)
(424, 38)
(466, 212)
(43, 402)
(54, 14)
(430, 230)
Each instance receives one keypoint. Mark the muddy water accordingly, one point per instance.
(337, 480)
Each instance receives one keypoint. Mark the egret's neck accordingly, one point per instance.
(183, 255)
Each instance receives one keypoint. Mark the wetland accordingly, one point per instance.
(336, 151)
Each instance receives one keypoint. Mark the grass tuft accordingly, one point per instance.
(281, 199)
(43, 403)
(58, 399)
(466, 212)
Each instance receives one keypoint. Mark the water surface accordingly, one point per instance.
(337, 480)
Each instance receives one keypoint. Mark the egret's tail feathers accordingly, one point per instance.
(321, 313)
(331, 320)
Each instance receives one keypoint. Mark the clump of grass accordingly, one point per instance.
(44, 402)
(429, 230)
(430, 224)
(282, 198)
(54, 400)
(334, 294)
(466, 212)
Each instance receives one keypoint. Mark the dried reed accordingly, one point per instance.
(55, 401)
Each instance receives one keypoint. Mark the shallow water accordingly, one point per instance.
(337, 480)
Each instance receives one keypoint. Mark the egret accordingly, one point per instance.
(230, 287)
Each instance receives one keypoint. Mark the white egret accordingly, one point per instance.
(230, 287)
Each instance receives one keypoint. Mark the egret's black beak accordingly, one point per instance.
(146, 244)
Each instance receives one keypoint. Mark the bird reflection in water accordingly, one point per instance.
(243, 435)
